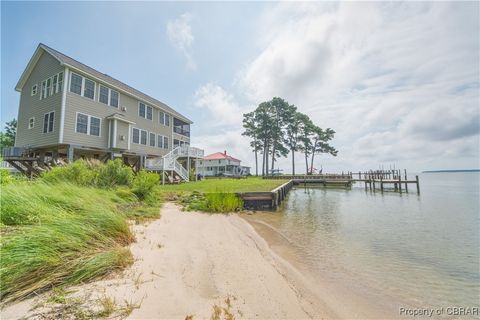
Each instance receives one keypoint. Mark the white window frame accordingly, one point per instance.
(82, 88)
(159, 140)
(139, 130)
(88, 124)
(146, 110)
(59, 84)
(34, 90)
(163, 120)
(110, 98)
(146, 139)
(108, 94)
(48, 122)
(150, 140)
(165, 138)
(30, 125)
(99, 126)
(43, 89)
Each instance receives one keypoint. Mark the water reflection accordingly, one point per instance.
(422, 249)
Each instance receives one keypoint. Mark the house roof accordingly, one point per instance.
(76, 65)
(220, 156)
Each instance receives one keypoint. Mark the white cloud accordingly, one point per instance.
(220, 106)
(399, 82)
(179, 33)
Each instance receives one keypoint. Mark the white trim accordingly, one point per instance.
(128, 141)
(114, 133)
(48, 122)
(109, 133)
(181, 117)
(89, 117)
(32, 118)
(36, 89)
(154, 138)
(134, 128)
(82, 87)
(64, 102)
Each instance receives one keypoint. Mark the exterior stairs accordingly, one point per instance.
(169, 162)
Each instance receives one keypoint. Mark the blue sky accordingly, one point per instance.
(399, 82)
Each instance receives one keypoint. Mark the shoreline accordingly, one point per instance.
(197, 264)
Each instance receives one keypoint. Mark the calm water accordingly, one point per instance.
(421, 250)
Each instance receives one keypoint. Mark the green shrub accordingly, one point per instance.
(114, 173)
(212, 202)
(78, 172)
(223, 202)
(5, 177)
(144, 183)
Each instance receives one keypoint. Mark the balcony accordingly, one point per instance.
(181, 131)
(181, 127)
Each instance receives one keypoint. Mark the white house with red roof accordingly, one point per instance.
(221, 164)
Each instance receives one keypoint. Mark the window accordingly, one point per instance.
(103, 96)
(76, 84)
(145, 111)
(88, 125)
(48, 120)
(94, 126)
(163, 118)
(49, 84)
(165, 143)
(43, 95)
(82, 123)
(136, 135)
(143, 137)
(141, 110)
(114, 98)
(34, 89)
(152, 139)
(89, 88)
(31, 123)
(160, 141)
(55, 84)
(149, 113)
(60, 82)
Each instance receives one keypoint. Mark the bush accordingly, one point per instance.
(114, 173)
(78, 172)
(212, 202)
(144, 183)
(5, 177)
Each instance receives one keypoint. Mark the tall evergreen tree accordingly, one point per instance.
(7, 138)
(320, 143)
(250, 124)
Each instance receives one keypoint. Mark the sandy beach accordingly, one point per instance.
(191, 264)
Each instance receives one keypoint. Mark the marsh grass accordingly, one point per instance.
(67, 235)
(218, 202)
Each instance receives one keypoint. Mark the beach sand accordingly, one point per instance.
(189, 264)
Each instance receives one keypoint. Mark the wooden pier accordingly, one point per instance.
(374, 180)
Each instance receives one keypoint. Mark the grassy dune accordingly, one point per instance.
(62, 234)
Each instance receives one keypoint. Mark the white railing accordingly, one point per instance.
(169, 161)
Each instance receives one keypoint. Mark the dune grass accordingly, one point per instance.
(62, 234)
(225, 185)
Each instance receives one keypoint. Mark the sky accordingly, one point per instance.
(398, 81)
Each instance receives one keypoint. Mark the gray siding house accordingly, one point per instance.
(69, 110)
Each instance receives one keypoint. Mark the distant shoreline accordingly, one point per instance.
(442, 171)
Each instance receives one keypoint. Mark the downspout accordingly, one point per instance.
(64, 102)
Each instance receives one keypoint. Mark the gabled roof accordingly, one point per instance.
(220, 156)
(78, 66)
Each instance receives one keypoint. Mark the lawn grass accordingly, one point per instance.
(225, 185)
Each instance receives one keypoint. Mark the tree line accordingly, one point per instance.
(276, 128)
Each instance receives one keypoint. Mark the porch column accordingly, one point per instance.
(70, 151)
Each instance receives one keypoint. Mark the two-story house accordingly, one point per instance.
(70, 110)
(221, 164)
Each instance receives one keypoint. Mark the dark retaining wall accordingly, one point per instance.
(265, 200)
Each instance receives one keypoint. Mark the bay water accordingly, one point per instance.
(419, 250)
